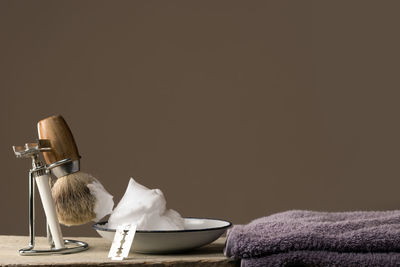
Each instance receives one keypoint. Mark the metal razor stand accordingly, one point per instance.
(32, 150)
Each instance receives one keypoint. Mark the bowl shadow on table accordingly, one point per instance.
(208, 255)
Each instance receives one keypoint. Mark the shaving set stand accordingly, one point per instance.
(41, 175)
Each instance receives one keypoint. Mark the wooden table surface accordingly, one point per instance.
(96, 255)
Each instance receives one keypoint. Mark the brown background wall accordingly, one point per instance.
(235, 109)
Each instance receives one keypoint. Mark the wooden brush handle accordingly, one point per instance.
(62, 142)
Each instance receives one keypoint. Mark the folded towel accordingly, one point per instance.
(317, 238)
(325, 259)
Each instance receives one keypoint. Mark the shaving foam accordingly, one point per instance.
(145, 208)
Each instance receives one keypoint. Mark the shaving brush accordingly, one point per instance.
(78, 197)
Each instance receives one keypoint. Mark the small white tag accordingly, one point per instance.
(122, 242)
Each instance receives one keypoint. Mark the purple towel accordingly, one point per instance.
(318, 239)
(325, 259)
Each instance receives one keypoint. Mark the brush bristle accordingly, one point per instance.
(73, 200)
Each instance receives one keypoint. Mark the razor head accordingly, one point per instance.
(31, 149)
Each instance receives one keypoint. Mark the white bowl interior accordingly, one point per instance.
(189, 224)
(201, 224)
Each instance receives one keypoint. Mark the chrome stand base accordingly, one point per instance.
(78, 246)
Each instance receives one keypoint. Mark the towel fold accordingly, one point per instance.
(318, 238)
(325, 259)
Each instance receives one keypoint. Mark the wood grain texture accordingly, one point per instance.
(62, 142)
(210, 255)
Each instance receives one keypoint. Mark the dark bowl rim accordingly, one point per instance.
(96, 227)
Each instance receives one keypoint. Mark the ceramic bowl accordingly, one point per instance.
(198, 232)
